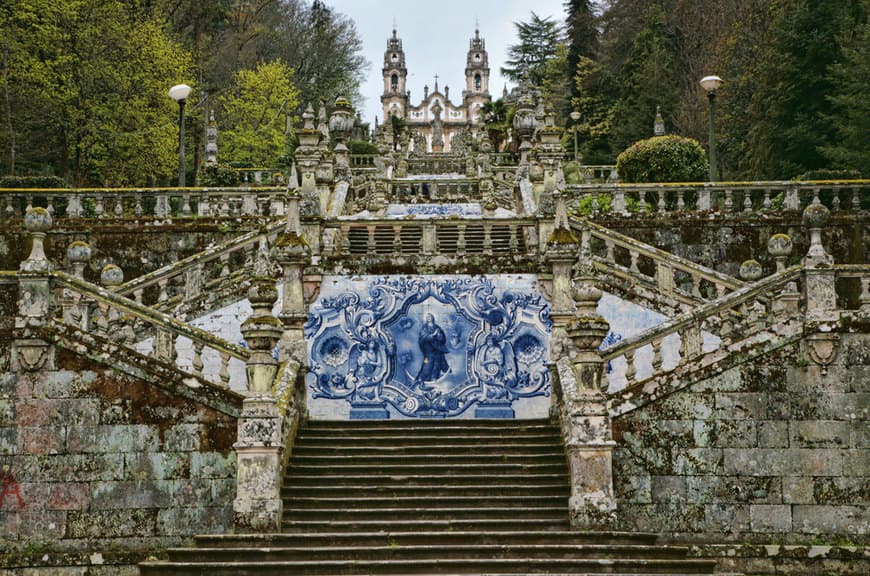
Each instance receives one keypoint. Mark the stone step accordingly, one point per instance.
(325, 566)
(437, 425)
(432, 538)
(427, 502)
(395, 551)
(418, 525)
(297, 479)
(431, 469)
(545, 446)
(427, 490)
(428, 513)
(453, 438)
(379, 460)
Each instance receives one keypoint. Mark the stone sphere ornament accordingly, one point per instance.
(78, 252)
(111, 276)
(37, 220)
(779, 246)
(816, 215)
(750, 270)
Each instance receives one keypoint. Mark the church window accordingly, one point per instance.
(394, 82)
(395, 56)
(477, 81)
(477, 57)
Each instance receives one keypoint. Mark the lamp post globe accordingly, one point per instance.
(711, 84)
(179, 93)
(575, 116)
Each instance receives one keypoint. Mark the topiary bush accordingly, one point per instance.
(361, 147)
(32, 182)
(663, 159)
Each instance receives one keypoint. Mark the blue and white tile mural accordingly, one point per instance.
(429, 347)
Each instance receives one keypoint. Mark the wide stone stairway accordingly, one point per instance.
(430, 497)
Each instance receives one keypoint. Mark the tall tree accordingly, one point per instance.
(254, 114)
(538, 39)
(583, 37)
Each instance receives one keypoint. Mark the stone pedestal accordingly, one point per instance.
(258, 506)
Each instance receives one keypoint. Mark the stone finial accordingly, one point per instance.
(261, 332)
(780, 246)
(308, 117)
(111, 276)
(37, 221)
(78, 254)
(659, 123)
(815, 217)
(750, 270)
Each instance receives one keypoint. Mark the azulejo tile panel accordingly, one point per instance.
(429, 347)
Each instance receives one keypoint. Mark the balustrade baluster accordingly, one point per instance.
(630, 368)
(119, 206)
(10, 208)
(164, 346)
(610, 245)
(641, 198)
(766, 203)
(193, 281)
(595, 202)
(681, 201)
(696, 286)
(163, 294)
(137, 295)
(835, 201)
(99, 209)
(661, 203)
(816, 198)
(747, 200)
(202, 207)
(657, 355)
(185, 206)
(197, 357)
(665, 277)
(50, 207)
(137, 209)
(225, 207)
(690, 342)
(634, 256)
(225, 265)
(224, 372)
(29, 201)
(720, 289)
(856, 199)
(729, 200)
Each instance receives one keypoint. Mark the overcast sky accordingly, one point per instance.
(435, 37)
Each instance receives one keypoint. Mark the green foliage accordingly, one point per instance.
(556, 85)
(663, 159)
(538, 39)
(361, 147)
(826, 174)
(32, 182)
(220, 175)
(254, 114)
(497, 116)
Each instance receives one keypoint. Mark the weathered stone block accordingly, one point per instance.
(797, 490)
(189, 521)
(857, 379)
(181, 438)
(7, 412)
(8, 441)
(140, 494)
(846, 520)
(635, 488)
(113, 439)
(728, 381)
(193, 492)
(698, 461)
(856, 462)
(727, 518)
(779, 406)
(734, 489)
(770, 518)
(741, 406)
(63, 467)
(840, 490)
(42, 524)
(772, 434)
(859, 436)
(42, 440)
(8, 385)
(62, 384)
(668, 487)
(683, 406)
(818, 433)
(69, 496)
(212, 465)
(156, 465)
(111, 523)
(792, 461)
(734, 434)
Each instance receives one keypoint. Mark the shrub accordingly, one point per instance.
(361, 147)
(220, 176)
(663, 159)
(826, 174)
(32, 182)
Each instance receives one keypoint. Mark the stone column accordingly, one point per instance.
(786, 302)
(821, 292)
(293, 254)
(585, 418)
(258, 506)
(30, 352)
(78, 254)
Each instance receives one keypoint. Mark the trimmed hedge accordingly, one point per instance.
(668, 158)
(32, 182)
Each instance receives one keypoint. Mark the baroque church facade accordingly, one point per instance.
(436, 118)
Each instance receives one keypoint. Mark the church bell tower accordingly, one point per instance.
(394, 100)
(476, 91)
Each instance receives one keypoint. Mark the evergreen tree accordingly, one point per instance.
(582, 32)
(538, 39)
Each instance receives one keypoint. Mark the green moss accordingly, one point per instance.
(562, 236)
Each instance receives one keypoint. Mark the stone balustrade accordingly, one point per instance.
(362, 161)
(436, 164)
(591, 173)
(135, 203)
(104, 312)
(727, 198)
(434, 190)
(736, 316)
(449, 236)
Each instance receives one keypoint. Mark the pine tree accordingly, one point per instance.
(538, 39)
(582, 32)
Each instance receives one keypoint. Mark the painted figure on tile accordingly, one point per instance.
(369, 370)
(433, 346)
(496, 363)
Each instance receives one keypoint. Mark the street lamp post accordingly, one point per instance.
(575, 116)
(710, 84)
(179, 93)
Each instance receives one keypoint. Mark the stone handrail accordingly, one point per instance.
(112, 307)
(402, 190)
(666, 265)
(192, 267)
(742, 312)
(447, 236)
(145, 202)
(598, 173)
(722, 197)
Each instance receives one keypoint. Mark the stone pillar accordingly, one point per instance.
(293, 254)
(78, 254)
(258, 506)
(821, 295)
(30, 352)
(786, 302)
(585, 418)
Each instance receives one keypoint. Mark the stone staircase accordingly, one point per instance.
(439, 497)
